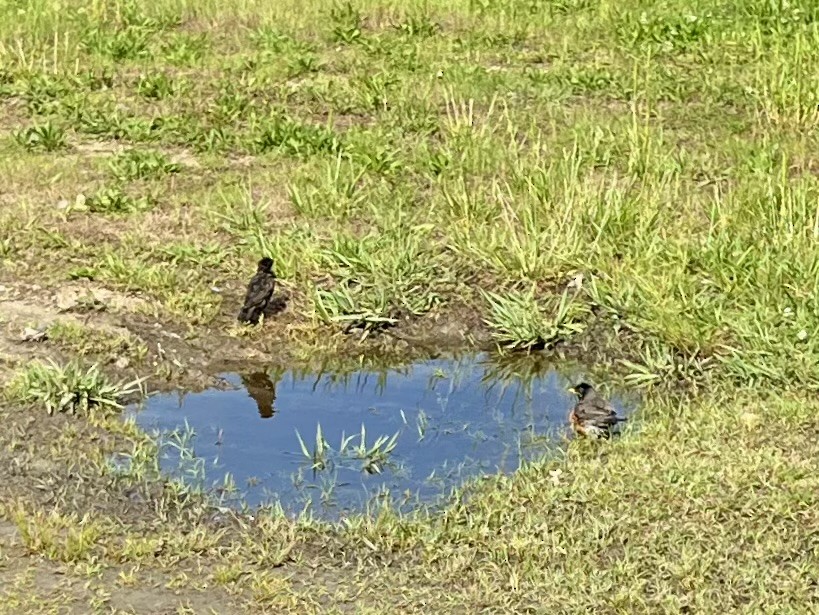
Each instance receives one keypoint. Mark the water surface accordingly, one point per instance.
(439, 422)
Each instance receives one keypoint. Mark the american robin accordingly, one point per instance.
(592, 415)
(259, 292)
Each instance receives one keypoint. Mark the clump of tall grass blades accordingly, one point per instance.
(523, 321)
(114, 200)
(294, 138)
(70, 388)
(373, 457)
(46, 137)
(318, 456)
(137, 164)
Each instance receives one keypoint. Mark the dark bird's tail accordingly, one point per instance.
(249, 315)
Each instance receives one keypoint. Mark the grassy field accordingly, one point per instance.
(634, 184)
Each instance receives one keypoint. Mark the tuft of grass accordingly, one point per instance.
(376, 455)
(379, 278)
(70, 388)
(85, 340)
(373, 457)
(124, 44)
(62, 538)
(157, 86)
(523, 321)
(281, 133)
(114, 200)
(183, 49)
(347, 23)
(417, 24)
(48, 137)
(318, 457)
(141, 164)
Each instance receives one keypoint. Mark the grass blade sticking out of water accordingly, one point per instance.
(375, 457)
(318, 457)
(191, 467)
(421, 424)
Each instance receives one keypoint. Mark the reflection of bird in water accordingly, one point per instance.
(262, 390)
(593, 415)
(259, 292)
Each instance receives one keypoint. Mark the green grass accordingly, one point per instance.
(408, 164)
(46, 137)
(519, 321)
(607, 161)
(85, 340)
(136, 164)
(69, 388)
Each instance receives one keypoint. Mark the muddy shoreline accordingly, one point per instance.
(175, 356)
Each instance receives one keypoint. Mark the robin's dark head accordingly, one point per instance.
(266, 264)
(582, 390)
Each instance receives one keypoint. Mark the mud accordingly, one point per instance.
(187, 356)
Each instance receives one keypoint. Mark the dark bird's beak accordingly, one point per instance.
(571, 389)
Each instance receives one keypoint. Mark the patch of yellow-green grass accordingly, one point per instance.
(653, 162)
(84, 340)
(60, 538)
(20, 595)
(662, 152)
(69, 388)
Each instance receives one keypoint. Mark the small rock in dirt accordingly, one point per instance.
(66, 299)
(102, 295)
(577, 282)
(90, 299)
(62, 204)
(33, 335)
(3, 288)
(122, 363)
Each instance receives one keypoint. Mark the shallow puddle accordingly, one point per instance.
(337, 444)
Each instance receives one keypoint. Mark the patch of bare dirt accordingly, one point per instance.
(12, 116)
(30, 584)
(28, 311)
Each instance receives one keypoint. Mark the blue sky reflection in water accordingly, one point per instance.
(455, 419)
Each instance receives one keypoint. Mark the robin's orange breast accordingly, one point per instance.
(576, 424)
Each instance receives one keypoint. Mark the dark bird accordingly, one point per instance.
(262, 390)
(592, 415)
(259, 292)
